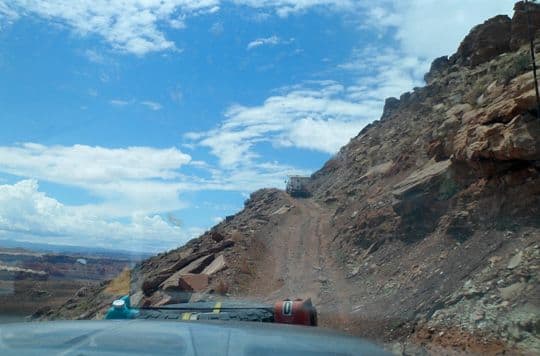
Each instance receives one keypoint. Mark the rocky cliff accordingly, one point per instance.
(422, 232)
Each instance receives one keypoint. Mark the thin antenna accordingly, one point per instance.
(531, 39)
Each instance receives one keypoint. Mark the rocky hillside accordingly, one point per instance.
(422, 232)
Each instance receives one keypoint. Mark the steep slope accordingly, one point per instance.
(422, 232)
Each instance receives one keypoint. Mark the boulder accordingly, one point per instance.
(188, 282)
(216, 236)
(151, 283)
(198, 265)
(515, 260)
(422, 179)
(217, 265)
(422, 198)
(136, 298)
(195, 282)
(158, 299)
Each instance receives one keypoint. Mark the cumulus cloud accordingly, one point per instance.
(127, 180)
(85, 164)
(432, 28)
(29, 214)
(133, 180)
(314, 116)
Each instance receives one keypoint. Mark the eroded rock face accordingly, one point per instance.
(503, 129)
(422, 198)
(437, 67)
(497, 35)
(519, 31)
(484, 42)
(517, 140)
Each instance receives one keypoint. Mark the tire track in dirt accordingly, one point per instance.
(298, 263)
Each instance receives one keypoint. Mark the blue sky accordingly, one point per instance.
(139, 124)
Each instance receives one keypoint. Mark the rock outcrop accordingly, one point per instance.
(484, 42)
(521, 26)
(495, 36)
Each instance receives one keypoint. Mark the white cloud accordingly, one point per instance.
(152, 105)
(383, 72)
(433, 28)
(177, 24)
(131, 185)
(85, 164)
(272, 41)
(136, 26)
(249, 176)
(217, 219)
(317, 117)
(129, 26)
(7, 13)
(29, 214)
(140, 179)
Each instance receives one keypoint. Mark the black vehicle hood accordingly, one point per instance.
(142, 337)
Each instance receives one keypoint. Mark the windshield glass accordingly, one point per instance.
(369, 167)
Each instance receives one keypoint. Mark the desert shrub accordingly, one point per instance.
(120, 284)
(519, 65)
(477, 89)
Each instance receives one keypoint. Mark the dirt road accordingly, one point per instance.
(297, 262)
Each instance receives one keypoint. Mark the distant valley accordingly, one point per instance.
(36, 278)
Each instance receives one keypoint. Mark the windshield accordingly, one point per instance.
(370, 165)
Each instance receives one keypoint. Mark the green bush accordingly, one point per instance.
(519, 65)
